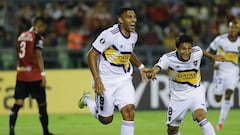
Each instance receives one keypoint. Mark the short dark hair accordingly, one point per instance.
(39, 19)
(123, 10)
(183, 38)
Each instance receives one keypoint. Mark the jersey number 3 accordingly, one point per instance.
(22, 51)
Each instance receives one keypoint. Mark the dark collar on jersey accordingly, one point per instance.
(122, 33)
(181, 59)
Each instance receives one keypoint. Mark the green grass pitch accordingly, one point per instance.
(146, 123)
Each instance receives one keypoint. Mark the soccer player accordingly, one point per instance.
(186, 91)
(110, 61)
(226, 74)
(31, 79)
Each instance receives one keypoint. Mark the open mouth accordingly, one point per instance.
(185, 57)
(132, 28)
(132, 25)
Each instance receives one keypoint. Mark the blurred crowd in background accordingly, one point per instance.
(74, 24)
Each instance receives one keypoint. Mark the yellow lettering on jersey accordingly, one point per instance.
(117, 58)
(21, 68)
(190, 77)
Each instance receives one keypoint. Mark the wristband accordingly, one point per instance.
(141, 67)
(43, 73)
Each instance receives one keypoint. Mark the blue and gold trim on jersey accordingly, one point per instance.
(191, 77)
(117, 58)
(229, 56)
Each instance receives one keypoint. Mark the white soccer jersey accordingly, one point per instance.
(229, 50)
(184, 77)
(115, 49)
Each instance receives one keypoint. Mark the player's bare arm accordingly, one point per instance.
(39, 59)
(135, 61)
(92, 62)
(215, 65)
(212, 56)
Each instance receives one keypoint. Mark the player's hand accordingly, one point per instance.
(218, 58)
(151, 75)
(143, 72)
(44, 81)
(99, 88)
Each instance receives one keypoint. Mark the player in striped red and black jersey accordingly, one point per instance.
(30, 79)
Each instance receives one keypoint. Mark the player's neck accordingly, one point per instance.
(124, 31)
(232, 38)
(35, 29)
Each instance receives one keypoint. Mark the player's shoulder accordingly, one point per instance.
(112, 30)
(26, 35)
(196, 49)
(222, 37)
(39, 36)
(170, 54)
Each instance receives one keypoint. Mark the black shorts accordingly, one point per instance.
(33, 89)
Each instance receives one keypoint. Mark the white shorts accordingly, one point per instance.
(119, 94)
(224, 81)
(178, 108)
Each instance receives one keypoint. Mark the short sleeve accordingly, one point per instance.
(214, 44)
(39, 42)
(103, 41)
(163, 62)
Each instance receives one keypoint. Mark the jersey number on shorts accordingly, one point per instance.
(169, 113)
(22, 51)
(101, 102)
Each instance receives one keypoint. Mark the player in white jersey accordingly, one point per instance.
(110, 61)
(186, 91)
(226, 74)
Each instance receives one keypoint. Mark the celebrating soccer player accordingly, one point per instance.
(226, 74)
(110, 60)
(186, 91)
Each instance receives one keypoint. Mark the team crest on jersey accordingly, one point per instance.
(195, 63)
(133, 45)
(102, 41)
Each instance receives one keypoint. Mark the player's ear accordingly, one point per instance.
(120, 20)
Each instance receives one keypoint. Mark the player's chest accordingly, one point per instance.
(124, 45)
(230, 46)
(193, 63)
